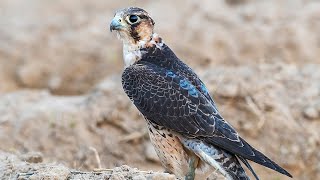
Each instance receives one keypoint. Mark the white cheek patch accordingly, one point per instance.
(124, 37)
(118, 35)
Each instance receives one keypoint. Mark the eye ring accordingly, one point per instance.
(132, 19)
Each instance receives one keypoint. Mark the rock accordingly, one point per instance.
(47, 171)
(32, 157)
(311, 113)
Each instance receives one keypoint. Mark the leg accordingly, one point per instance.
(193, 161)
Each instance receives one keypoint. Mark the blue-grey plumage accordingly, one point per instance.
(189, 135)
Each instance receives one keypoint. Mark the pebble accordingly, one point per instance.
(32, 157)
(311, 113)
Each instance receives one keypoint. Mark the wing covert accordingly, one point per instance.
(171, 100)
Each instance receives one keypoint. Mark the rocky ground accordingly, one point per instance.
(30, 166)
(63, 112)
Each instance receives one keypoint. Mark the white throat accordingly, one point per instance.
(132, 51)
(131, 54)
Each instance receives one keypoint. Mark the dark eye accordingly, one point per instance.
(133, 18)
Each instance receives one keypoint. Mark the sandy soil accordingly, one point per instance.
(62, 106)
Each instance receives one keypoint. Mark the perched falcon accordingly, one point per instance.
(190, 136)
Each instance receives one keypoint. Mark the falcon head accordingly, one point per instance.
(132, 25)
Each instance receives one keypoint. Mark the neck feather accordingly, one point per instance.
(132, 52)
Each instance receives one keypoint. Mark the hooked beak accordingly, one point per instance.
(116, 24)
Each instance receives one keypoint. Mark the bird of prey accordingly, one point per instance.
(189, 134)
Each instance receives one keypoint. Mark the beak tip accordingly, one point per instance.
(114, 25)
(111, 28)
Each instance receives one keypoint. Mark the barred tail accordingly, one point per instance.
(220, 159)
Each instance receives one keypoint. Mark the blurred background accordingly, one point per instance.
(60, 78)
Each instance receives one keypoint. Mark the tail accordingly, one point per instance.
(245, 162)
(222, 160)
(243, 149)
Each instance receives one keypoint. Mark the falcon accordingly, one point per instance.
(189, 134)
